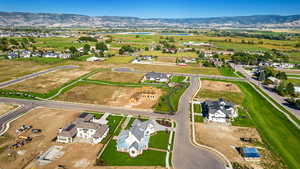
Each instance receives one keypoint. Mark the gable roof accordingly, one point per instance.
(156, 75)
(221, 104)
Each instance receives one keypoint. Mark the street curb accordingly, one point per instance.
(194, 142)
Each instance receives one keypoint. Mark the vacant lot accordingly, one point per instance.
(38, 118)
(110, 95)
(13, 69)
(5, 108)
(108, 75)
(217, 89)
(166, 59)
(210, 134)
(48, 82)
(175, 69)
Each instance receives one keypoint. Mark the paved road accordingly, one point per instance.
(130, 70)
(6, 118)
(7, 83)
(279, 99)
(187, 156)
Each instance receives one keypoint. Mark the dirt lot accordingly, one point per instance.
(108, 95)
(38, 118)
(12, 69)
(174, 69)
(108, 75)
(219, 86)
(212, 134)
(6, 107)
(48, 82)
(166, 59)
(125, 167)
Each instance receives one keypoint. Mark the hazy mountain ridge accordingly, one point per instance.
(75, 20)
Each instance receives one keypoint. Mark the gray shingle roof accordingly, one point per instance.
(156, 75)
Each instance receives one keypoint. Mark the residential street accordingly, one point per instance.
(186, 155)
(279, 99)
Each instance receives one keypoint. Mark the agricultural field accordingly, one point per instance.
(108, 75)
(4, 108)
(265, 117)
(118, 60)
(58, 43)
(110, 95)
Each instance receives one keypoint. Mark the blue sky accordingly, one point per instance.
(156, 8)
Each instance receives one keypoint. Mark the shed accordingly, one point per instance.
(250, 152)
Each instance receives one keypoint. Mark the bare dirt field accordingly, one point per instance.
(219, 86)
(108, 75)
(174, 69)
(126, 167)
(166, 59)
(13, 69)
(48, 82)
(110, 95)
(49, 120)
(6, 107)
(225, 138)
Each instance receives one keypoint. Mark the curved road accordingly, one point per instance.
(186, 155)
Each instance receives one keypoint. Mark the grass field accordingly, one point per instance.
(296, 82)
(12, 69)
(234, 97)
(281, 136)
(160, 140)
(243, 119)
(197, 108)
(112, 157)
(118, 59)
(177, 79)
(178, 54)
(227, 71)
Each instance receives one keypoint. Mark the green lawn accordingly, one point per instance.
(277, 131)
(130, 123)
(198, 119)
(197, 108)
(159, 140)
(227, 71)
(119, 59)
(243, 119)
(112, 157)
(296, 82)
(97, 115)
(113, 122)
(177, 79)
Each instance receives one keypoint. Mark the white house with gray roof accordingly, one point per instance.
(136, 139)
(83, 127)
(156, 77)
(219, 111)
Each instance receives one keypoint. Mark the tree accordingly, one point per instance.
(262, 76)
(126, 48)
(146, 48)
(101, 46)
(86, 38)
(290, 90)
(298, 45)
(281, 89)
(281, 75)
(297, 104)
(86, 48)
(74, 52)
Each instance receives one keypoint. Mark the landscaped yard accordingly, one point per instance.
(112, 157)
(177, 79)
(243, 119)
(159, 140)
(113, 122)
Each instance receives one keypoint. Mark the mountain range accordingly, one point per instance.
(74, 20)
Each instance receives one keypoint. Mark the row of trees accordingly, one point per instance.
(7, 44)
